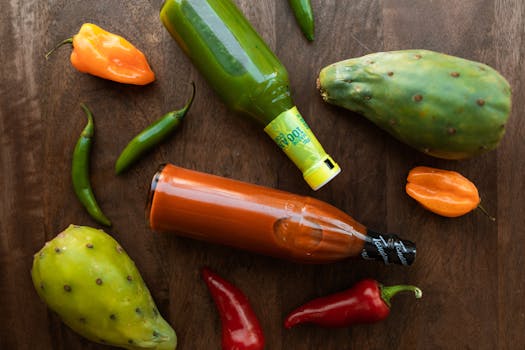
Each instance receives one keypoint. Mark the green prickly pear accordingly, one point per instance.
(442, 105)
(86, 277)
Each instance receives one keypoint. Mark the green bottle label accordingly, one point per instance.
(291, 133)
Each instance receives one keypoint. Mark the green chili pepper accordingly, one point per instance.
(151, 136)
(305, 17)
(80, 171)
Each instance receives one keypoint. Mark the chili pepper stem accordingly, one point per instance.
(484, 211)
(62, 43)
(190, 101)
(389, 292)
(89, 129)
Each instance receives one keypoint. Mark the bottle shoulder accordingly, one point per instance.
(265, 99)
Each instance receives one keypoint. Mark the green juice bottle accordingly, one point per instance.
(248, 77)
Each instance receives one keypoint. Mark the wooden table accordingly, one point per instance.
(470, 269)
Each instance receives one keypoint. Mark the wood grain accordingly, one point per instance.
(470, 269)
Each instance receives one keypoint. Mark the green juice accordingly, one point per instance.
(247, 76)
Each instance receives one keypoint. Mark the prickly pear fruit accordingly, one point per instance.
(442, 105)
(86, 277)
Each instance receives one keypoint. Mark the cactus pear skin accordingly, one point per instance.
(442, 105)
(87, 278)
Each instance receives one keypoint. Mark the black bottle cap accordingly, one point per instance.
(388, 248)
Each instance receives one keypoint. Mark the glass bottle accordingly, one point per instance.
(248, 77)
(264, 220)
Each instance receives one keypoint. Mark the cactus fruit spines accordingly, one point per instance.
(86, 277)
(442, 105)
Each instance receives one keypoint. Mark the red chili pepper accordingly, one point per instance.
(366, 302)
(240, 327)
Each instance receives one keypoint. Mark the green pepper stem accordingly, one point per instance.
(185, 109)
(388, 292)
(484, 211)
(89, 129)
(67, 41)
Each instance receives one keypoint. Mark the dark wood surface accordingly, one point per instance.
(470, 269)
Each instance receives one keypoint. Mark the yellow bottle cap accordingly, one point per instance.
(321, 173)
(291, 133)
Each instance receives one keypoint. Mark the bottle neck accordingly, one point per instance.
(388, 248)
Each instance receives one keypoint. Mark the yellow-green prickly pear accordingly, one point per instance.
(444, 106)
(86, 277)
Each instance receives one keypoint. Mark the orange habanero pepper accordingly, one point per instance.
(107, 55)
(444, 192)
